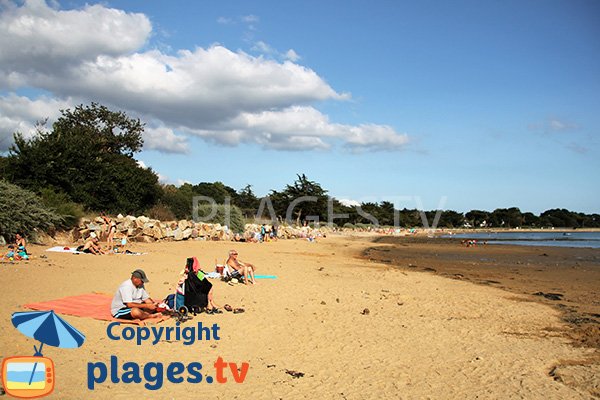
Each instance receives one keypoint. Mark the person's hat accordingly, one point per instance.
(138, 273)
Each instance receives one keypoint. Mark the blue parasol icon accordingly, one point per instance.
(48, 328)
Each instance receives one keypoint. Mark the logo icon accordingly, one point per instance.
(28, 377)
(31, 377)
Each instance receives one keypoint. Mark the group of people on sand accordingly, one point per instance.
(132, 301)
(109, 229)
(472, 242)
(265, 234)
(17, 250)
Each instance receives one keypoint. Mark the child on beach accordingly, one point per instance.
(15, 254)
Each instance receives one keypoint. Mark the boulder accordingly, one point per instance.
(187, 233)
(142, 239)
(153, 231)
(183, 224)
(94, 227)
(178, 234)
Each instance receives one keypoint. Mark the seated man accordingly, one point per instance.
(91, 246)
(131, 301)
(240, 269)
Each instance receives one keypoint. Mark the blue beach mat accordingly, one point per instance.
(265, 276)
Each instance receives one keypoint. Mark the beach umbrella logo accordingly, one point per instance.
(30, 377)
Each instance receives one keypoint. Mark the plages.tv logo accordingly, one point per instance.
(29, 377)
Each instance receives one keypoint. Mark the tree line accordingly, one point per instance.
(85, 163)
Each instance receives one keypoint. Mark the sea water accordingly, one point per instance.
(550, 238)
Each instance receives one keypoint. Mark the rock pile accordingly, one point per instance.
(146, 230)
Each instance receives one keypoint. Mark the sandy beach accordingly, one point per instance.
(355, 327)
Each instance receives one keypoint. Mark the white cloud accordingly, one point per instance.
(556, 125)
(267, 50)
(553, 125)
(20, 114)
(373, 137)
(224, 20)
(301, 128)
(292, 55)
(262, 47)
(250, 18)
(220, 95)
(565, 133)
(37, 38)
(349, 203)
(165, 140)
(142, 164)
(182, 182)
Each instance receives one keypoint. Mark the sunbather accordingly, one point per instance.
(131, 301)
(91, 246)
(241, 269)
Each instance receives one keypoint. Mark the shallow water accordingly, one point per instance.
(554, 239)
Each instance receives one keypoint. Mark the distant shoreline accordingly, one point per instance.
(493, 230)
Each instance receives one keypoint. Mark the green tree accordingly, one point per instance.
(559, 218)
(303, 199)
(530, 219)
(410, 217)
(178, 200)
(369, 213)
(88, 155)
(216, 191)
(386, 213)
(3, 167)
(247, 201)
(351, 214)
(477, 218)
(506, 217)
(451, 219)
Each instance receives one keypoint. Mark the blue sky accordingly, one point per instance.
(465, 104)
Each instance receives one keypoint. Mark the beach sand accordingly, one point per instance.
(356, 329)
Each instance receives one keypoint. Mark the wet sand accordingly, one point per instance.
(566, 278)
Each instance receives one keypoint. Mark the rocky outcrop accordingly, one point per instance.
(146, 230)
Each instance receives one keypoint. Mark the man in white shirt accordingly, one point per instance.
(131, 301)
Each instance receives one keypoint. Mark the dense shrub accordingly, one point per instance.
(161, 212)
(62, 205)
(23, 211)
